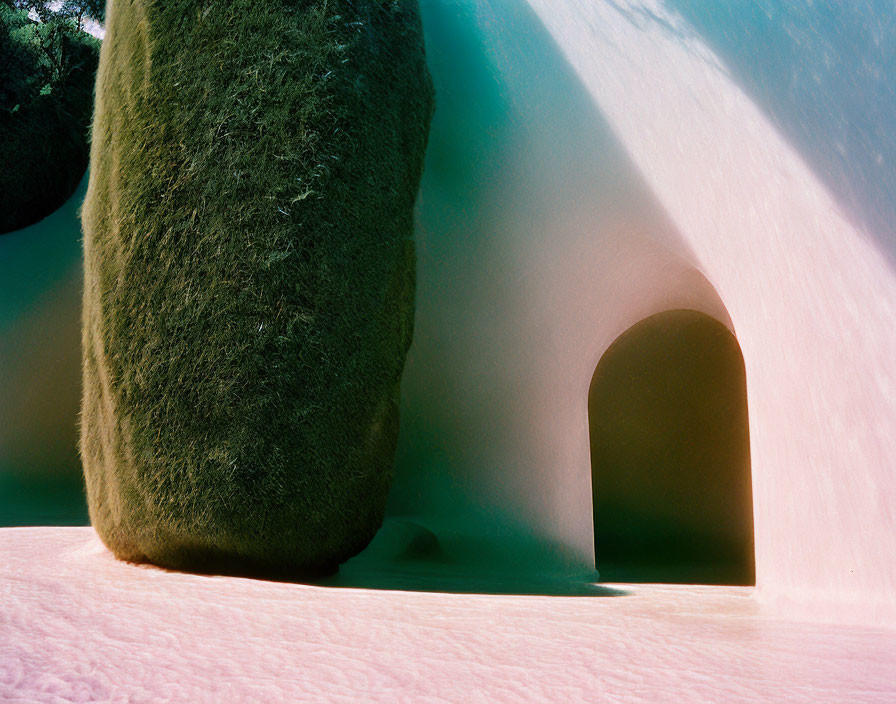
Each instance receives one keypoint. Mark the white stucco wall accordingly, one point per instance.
(595, 162)
(538, 244)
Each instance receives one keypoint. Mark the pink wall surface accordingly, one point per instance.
(812, 297)
(613, 168)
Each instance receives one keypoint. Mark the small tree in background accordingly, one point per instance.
(70, 9)
(47, 69)
(20, 83)
(51, 31)
(81, 9)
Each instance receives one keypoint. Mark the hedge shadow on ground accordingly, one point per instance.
(407, 556)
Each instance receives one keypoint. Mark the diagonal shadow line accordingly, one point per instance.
(822, 74)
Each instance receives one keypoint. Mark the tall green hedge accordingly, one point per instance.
(249, 277)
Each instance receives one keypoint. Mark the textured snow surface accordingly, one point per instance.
(76, 625)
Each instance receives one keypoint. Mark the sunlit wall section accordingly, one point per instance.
(812, 296)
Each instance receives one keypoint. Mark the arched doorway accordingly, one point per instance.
(670, 454)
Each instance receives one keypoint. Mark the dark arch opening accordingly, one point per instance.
(670, 455)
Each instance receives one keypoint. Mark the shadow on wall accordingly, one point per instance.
(670, 452)
(40, 371)
(519, 157)
(823, 74)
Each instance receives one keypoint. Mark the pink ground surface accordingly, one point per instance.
(78, 625)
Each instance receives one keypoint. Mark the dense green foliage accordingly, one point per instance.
(249, 277)
(47, 71)
(48, 11)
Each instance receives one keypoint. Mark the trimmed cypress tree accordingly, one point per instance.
(249, 277)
